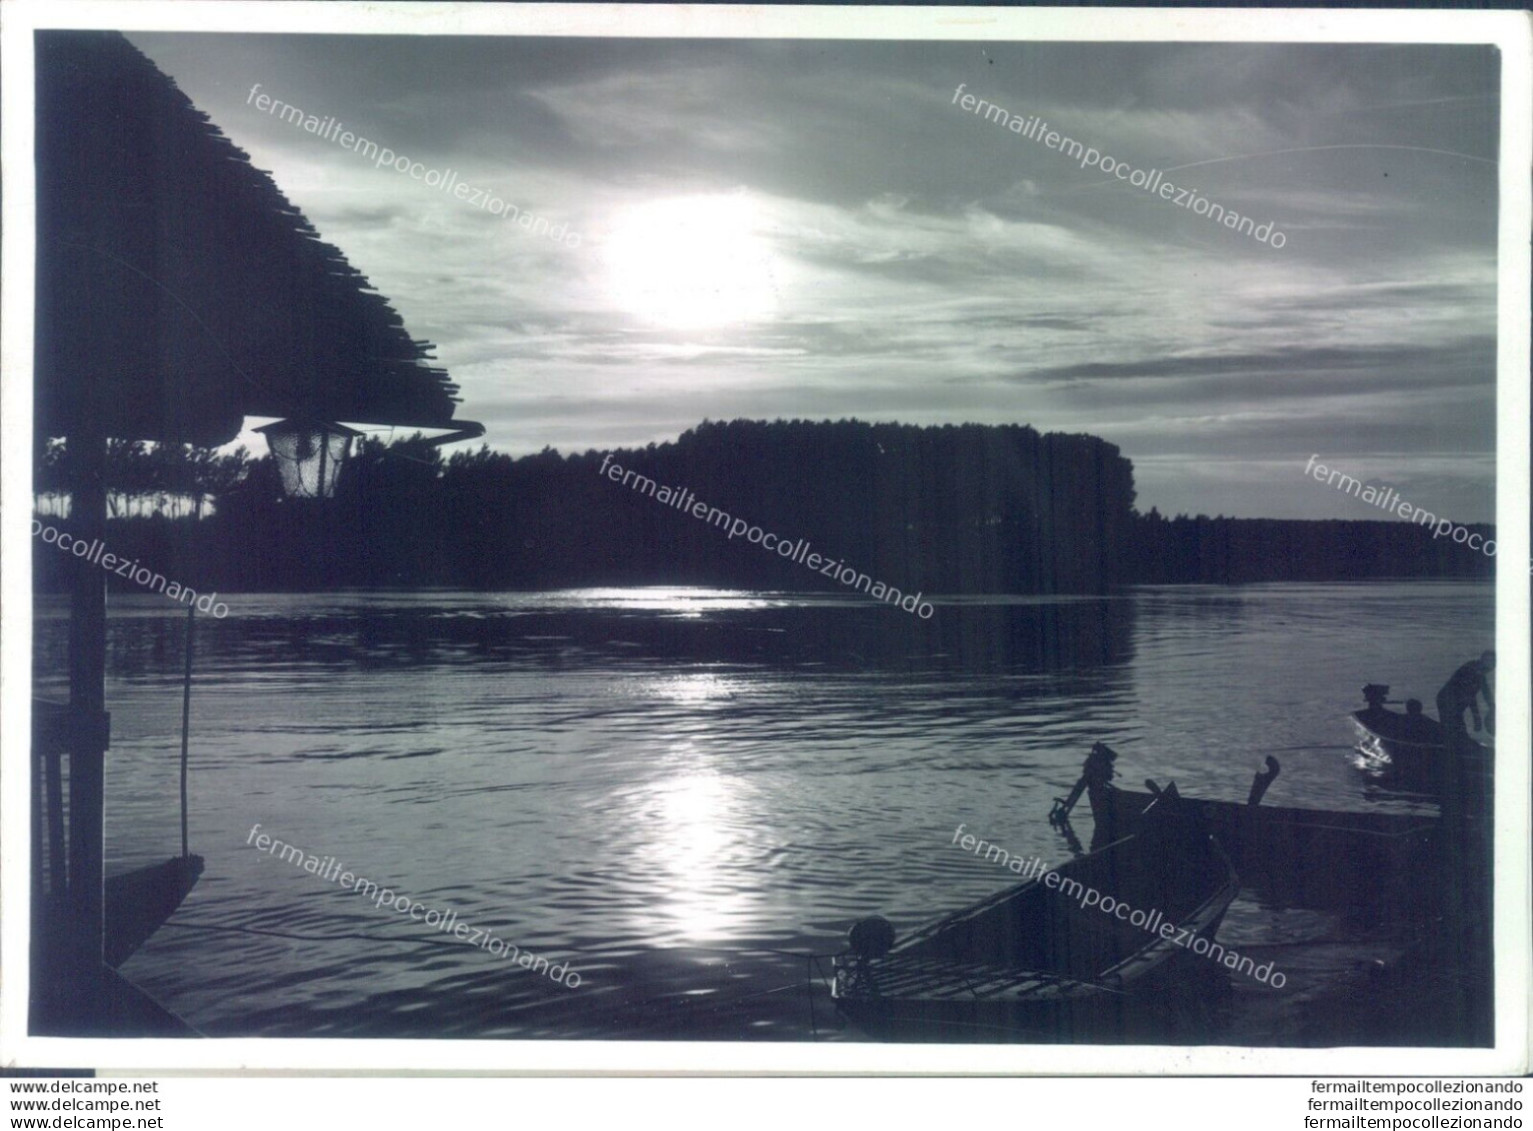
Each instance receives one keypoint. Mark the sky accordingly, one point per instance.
(820, 230)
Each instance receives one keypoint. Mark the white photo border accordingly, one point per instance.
(1508, 31)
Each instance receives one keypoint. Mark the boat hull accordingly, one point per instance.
(1412, 754)
(1298, 857)
(1044, 961)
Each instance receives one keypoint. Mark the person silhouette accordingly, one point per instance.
(1462, 692)
(1417, 729)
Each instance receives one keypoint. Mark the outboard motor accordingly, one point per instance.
(873, 937)
(868, 940)
(1096, 773)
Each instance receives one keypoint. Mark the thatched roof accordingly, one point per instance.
(178, 289)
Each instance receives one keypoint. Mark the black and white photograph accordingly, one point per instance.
(766, 537)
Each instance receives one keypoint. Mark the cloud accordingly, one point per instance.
(927, 264)
(1471, 361)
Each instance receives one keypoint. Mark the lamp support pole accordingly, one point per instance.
(466, 430)
(86, 453)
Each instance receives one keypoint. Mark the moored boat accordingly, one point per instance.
(1289, 857)
(1044, 959)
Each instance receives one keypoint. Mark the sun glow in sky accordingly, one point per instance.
(692, 262)
(812, 229)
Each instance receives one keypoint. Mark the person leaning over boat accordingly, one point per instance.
(1462, 692)
(1464, 846)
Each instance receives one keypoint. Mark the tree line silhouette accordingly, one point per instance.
(950, 509)
(144, 479)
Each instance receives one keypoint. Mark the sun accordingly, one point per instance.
(692, 262)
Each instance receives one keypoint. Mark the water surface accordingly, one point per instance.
(676, 791)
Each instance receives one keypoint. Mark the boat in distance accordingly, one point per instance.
(1037, 961)
(1412, 751)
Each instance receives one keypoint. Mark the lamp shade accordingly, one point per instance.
(309, 455)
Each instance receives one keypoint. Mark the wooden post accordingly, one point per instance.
(186, 717)
(87, 701)
(58, 868)
(38, 782)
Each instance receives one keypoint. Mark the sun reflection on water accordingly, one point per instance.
(696, 688)
(694, 844)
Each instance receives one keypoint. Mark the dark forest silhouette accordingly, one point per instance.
(943, 509)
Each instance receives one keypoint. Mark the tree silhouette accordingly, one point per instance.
(949, 509)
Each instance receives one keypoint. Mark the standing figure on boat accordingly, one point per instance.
(1462, 692)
